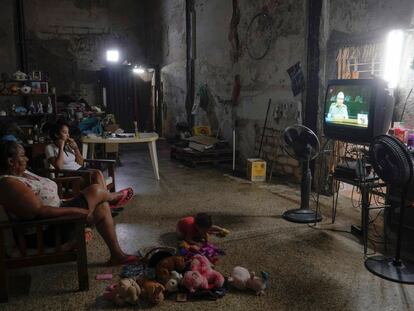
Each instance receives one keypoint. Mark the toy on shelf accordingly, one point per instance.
(242, 279)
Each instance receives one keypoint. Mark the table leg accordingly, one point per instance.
(85, 150)
(154, 158)
(92, 151)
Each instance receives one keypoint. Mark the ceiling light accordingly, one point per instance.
(112, 56)
(393, 53)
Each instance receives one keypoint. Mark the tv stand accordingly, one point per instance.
(366, 185)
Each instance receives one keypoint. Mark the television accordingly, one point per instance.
(357, 110)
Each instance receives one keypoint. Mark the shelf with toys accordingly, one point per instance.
(34, 91)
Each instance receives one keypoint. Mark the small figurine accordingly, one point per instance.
(39, 108)
(32, 108)
(49, 105)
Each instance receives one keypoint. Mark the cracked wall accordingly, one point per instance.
(69, 38)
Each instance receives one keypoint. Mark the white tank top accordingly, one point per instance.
(44, 188)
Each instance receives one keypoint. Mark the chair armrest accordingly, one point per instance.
(106, 161)
(45, 221)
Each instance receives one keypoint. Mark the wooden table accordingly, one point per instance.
(149, 138)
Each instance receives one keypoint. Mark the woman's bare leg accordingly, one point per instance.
(94, 195)
(98, 178)
(103, 220)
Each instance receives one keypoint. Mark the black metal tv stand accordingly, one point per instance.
(366, 186)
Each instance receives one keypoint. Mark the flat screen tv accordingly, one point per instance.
(357, 110)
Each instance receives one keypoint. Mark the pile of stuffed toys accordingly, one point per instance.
(192, 277)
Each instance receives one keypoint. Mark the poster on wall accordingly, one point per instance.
(297, 78)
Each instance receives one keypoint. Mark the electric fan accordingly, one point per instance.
(302, 144)
(393, 164)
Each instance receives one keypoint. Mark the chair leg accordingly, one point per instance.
(82, 261)
(4, 295)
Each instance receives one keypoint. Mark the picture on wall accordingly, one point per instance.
(36, 75)
(36, 89)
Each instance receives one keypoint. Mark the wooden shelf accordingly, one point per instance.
(26, 95)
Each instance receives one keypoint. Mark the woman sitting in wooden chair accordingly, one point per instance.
(64, 154)
(25, 195)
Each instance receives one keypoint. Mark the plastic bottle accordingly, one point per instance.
(136, 129)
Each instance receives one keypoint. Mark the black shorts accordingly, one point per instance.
(79, 201)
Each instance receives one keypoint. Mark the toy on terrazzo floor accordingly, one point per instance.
(151, 290)
(208, 250)
(201, 275)
(127, 291)
(242, 279)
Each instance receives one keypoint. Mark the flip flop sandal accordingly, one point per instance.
(127, 260)
(88, 235)
(127, 195)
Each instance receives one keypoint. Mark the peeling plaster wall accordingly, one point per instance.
(69, 38)
(214, 66)
(355, 22)
(167, 47)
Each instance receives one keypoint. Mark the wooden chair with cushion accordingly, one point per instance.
(15, 253)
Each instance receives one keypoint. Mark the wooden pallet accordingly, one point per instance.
(194, 158)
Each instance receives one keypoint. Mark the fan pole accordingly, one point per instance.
(394, 269)
(305, 185)
(304, 214)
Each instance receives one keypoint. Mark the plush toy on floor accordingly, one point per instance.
(202, 265)
(172, 284)
(126, 291)
(166, 265)
(151, 290)
(242, 279)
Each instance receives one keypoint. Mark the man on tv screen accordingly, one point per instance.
(338, 110)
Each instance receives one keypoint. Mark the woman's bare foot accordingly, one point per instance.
(122, 260)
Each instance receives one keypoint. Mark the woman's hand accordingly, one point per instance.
(60, 143)
(72, 143)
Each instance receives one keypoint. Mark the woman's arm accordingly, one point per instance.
(18, 199)
(78, 155)
(58, 160)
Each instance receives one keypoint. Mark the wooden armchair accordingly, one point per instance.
(22, 256)
(86, 174)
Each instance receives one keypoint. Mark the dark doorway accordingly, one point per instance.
(128, 97)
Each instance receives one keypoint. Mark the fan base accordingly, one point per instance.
(386, 268)
(302, 215)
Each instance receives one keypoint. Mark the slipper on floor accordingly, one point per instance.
(88, 235)
(127, 195)
(127, 260)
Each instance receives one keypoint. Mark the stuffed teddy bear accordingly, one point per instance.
(202, 265)
(172, 284)
(126, 291)
(242, 279)
(168, 264)
(151, 290)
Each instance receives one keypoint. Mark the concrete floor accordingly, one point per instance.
(310, 268)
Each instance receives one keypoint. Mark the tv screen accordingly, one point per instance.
(357, 110)
(348, 105)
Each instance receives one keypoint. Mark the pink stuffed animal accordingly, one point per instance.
(241, 279)
(202, 264)
(193, 281)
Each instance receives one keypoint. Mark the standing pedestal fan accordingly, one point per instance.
(302, 144)
(392, 162)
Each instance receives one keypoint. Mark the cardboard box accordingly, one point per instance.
(256, 169)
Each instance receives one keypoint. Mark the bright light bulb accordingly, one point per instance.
(138, 70)
(112, 56)
(393, 53)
